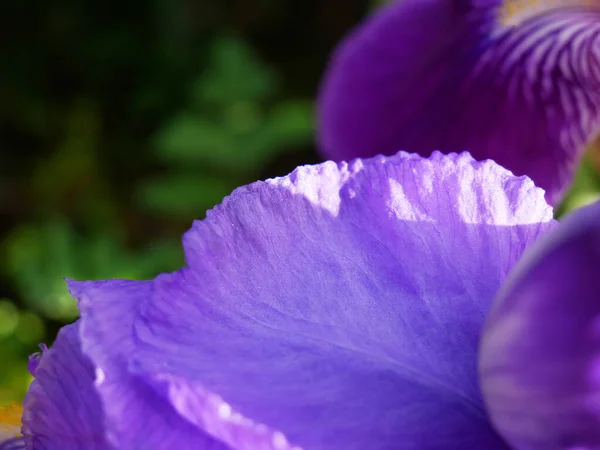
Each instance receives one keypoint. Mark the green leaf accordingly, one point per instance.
(584, 190)
(185, 195)
(289, 124)
(38, 258)
(160, 256)
(9, 318)
(187, 139)
(235, 73)
(231, 146)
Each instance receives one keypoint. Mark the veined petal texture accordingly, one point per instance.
(453, 75)
(340, 306)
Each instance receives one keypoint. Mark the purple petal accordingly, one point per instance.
(62, 410)
(210, 413)
(437, 74)
(340, 305)
(136, 417)
(540, 353)
(17, 443)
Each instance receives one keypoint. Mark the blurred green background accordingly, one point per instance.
(120, 123)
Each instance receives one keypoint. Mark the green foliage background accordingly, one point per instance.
(121, 122)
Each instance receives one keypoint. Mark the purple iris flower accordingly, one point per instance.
(343, 307)
(514, 81)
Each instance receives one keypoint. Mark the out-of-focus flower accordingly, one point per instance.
(514, 81)
(342, 307)
(539, 360)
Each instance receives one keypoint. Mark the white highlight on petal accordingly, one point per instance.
(403, 207)
(100, 376)
(299, 182)
(279, 440)
(225, 411)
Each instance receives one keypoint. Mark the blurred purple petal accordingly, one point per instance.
(13, 444)
(440, 74)
(540, 353)
(136, 417)
(342, 305)
(62, 410)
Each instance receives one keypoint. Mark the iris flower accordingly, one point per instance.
(388, 303)
(514, 81)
